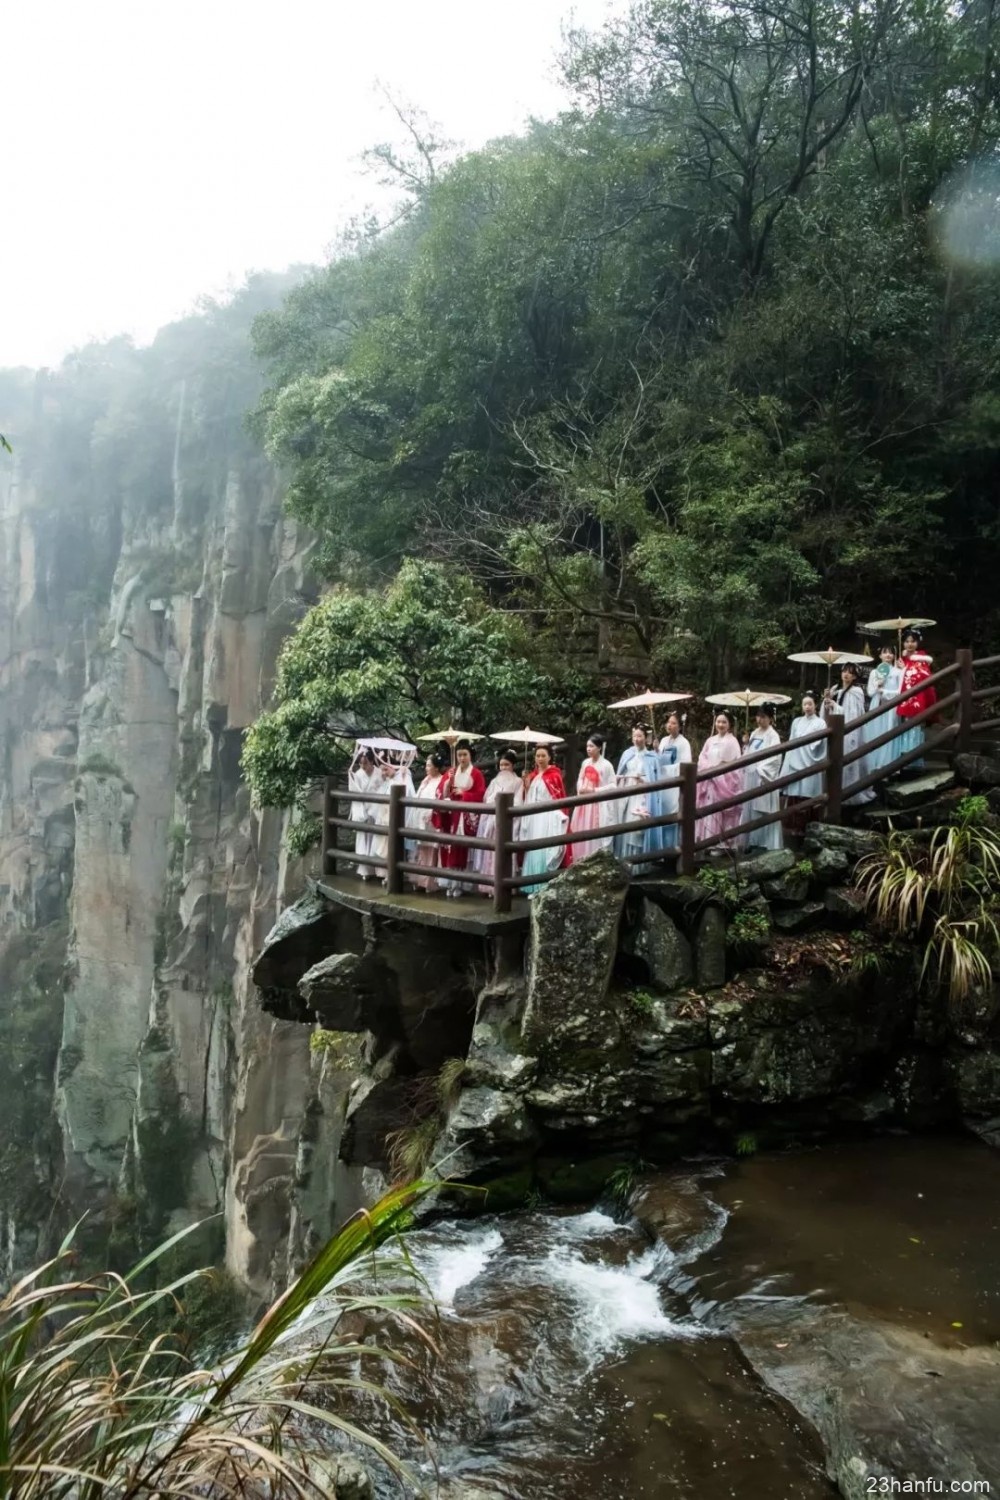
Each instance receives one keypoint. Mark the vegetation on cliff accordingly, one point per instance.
(94, 1400)
(706, 366)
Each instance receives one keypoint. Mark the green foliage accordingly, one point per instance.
(93, 1402)
(721, 886)
(676, 377)
(450, 1079)
(973, 812)
(805, 869)
(942, 892)
(98, 764)
(748, 930)
(304, 834)
(31, 1019)
(642, 1002)
(410, 1148)
(746, 1144)
(400, 660)
(321, 1041)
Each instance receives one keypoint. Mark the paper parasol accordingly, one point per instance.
(648, 700)
(526, 737)
(451, 737)
(899, 624)
(386, 744)
(747, 698)
(830, 658)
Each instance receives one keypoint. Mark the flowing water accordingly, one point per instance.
(579, 1359)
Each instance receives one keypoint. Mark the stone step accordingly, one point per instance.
(921, 788)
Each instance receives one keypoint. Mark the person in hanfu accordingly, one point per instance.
(419, 820)
(462, 782)
(544, 784)
(506, 780)
(365, 776)
(804, 758)
(674, 752)
(849, 699)
(884, 682)
(761, 774)
(639, 767)
(916, 665)
(393, 772)
(596, 773)
(721, 753)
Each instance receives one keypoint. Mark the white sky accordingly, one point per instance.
(155, 150)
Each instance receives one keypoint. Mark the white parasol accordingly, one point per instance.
(649, 699)
(830, 658)
(526, 737)
(899, 623)
(450, 737)
(387, 746)
(746, 698)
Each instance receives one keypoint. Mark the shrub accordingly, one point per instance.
(748, 929)
(941, 892)
(93, 1403)
(97, 764)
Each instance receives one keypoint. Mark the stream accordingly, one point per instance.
(581, 1358)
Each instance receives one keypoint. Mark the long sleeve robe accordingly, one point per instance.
(761, 774)
(458, 786)
(545, 786)
(594, 776)
(805, 758)
(640, 768)
(851, 703)
(719, 750)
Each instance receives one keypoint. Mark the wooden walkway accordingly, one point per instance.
(473, 914)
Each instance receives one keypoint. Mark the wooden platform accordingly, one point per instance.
(472, 914)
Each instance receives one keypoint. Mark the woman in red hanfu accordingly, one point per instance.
(464, 782)
(916, 665)
(544, 784)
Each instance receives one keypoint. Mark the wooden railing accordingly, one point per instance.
(509, 841)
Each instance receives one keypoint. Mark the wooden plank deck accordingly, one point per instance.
(473, 914)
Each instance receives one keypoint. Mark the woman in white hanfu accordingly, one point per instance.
(761, 774)
(506, 780)
(395, 768)
(803, 758)
(884, 683)
(675, 751)
(543, 785)
(364, 776)
(419, 819)
(849, 700)
(590, 817)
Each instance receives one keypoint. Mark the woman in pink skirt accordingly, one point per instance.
(721, 749)
(595, 774)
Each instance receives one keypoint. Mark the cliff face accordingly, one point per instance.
(147, 580)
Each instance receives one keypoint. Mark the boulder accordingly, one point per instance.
(486, 1118)
(769, 865)
(977, 771)
(710, 948)
(854, 842)
(661, 952)
(677, 894)
(844, 904)
(302, 935)
(789, 889)
(918, 789)
(571, 952)
(974, 1077)
(829, 866)
(334, 989)
(799, 918)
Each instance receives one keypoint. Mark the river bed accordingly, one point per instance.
(582, 1359)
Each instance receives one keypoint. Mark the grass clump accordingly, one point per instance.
(94, 1404)
(98, 764)
(942, 893)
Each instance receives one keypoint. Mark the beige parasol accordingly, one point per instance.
(747, 698)
(899, 623)
(526, 737)
(649, 699)
(830, 658)
(451, 737)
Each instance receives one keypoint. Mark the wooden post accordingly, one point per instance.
(965, 704)
(835, 775)
(395, 852)
(327, 831)
(503, 858)
(689, 808)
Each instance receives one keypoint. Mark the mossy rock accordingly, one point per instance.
(578, 1181)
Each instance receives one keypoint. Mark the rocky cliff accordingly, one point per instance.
(147, 579)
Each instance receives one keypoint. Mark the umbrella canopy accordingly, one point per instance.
(373, 742)
(649, 699)
(746, 698)
(526, 737)
(451, 735)
(899, 622)
(830, 658)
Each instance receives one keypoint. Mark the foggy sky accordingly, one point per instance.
(156, 152)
